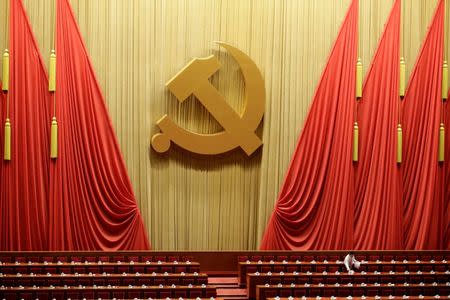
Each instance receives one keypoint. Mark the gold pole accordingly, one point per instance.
(52, 89)
(5, 88)
(358, 94)
(441, 151)
(402, 84)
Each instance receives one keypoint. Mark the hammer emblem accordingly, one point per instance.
(238, 130)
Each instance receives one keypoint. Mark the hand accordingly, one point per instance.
(351, 272)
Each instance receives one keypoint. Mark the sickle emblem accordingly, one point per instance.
(239, 131)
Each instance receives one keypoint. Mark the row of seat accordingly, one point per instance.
(13, 257)
(264, 292)
(103, 279)
(376, 297)
(91, 276)
(108, 267)
(108, 292)
(333, 256)
(343, 279)
(324, 266)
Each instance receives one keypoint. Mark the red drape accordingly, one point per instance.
(422, 175)
(92, 202)
(315, 207)
(24, 179)
(378, 207)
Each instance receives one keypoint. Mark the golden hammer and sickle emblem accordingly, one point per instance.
(239, 131)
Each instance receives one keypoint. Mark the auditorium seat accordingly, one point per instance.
(95, 292)
(343, 279)
(265, 291)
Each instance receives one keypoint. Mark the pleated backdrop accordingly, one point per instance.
(222, 202)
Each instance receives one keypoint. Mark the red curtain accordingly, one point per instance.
(423, 175)
(24, 179)
(378, 207)
(92, 202)
(315, 207)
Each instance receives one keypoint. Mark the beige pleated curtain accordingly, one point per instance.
(192, 202)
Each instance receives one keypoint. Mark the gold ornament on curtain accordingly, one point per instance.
(402, 76)
(52, 72)
(54, 139)
(444, 80)
(7, 153)
(441, 143)
(5, 87)
(52, 88)
(5, 70)
(355, 141)
(402, 80)
(359, 78)
(399, 143)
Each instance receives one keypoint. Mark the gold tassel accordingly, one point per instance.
(7, 154)
(402, 76)
(441, 142)
(54, 139)
(5, 70)
(399, 143)
(444, 80)
(359, 78)
(355, 141)
(52, 72)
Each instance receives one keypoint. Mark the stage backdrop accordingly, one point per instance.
(222, 202)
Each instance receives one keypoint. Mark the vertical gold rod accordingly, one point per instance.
(359, 29)
(52, 87)
(7, 126)
(53, 10)
(441, 150)
(7, 47)
(446, 29)
(445, 60)
(358, 89)
(7, 24)
(446, 38)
